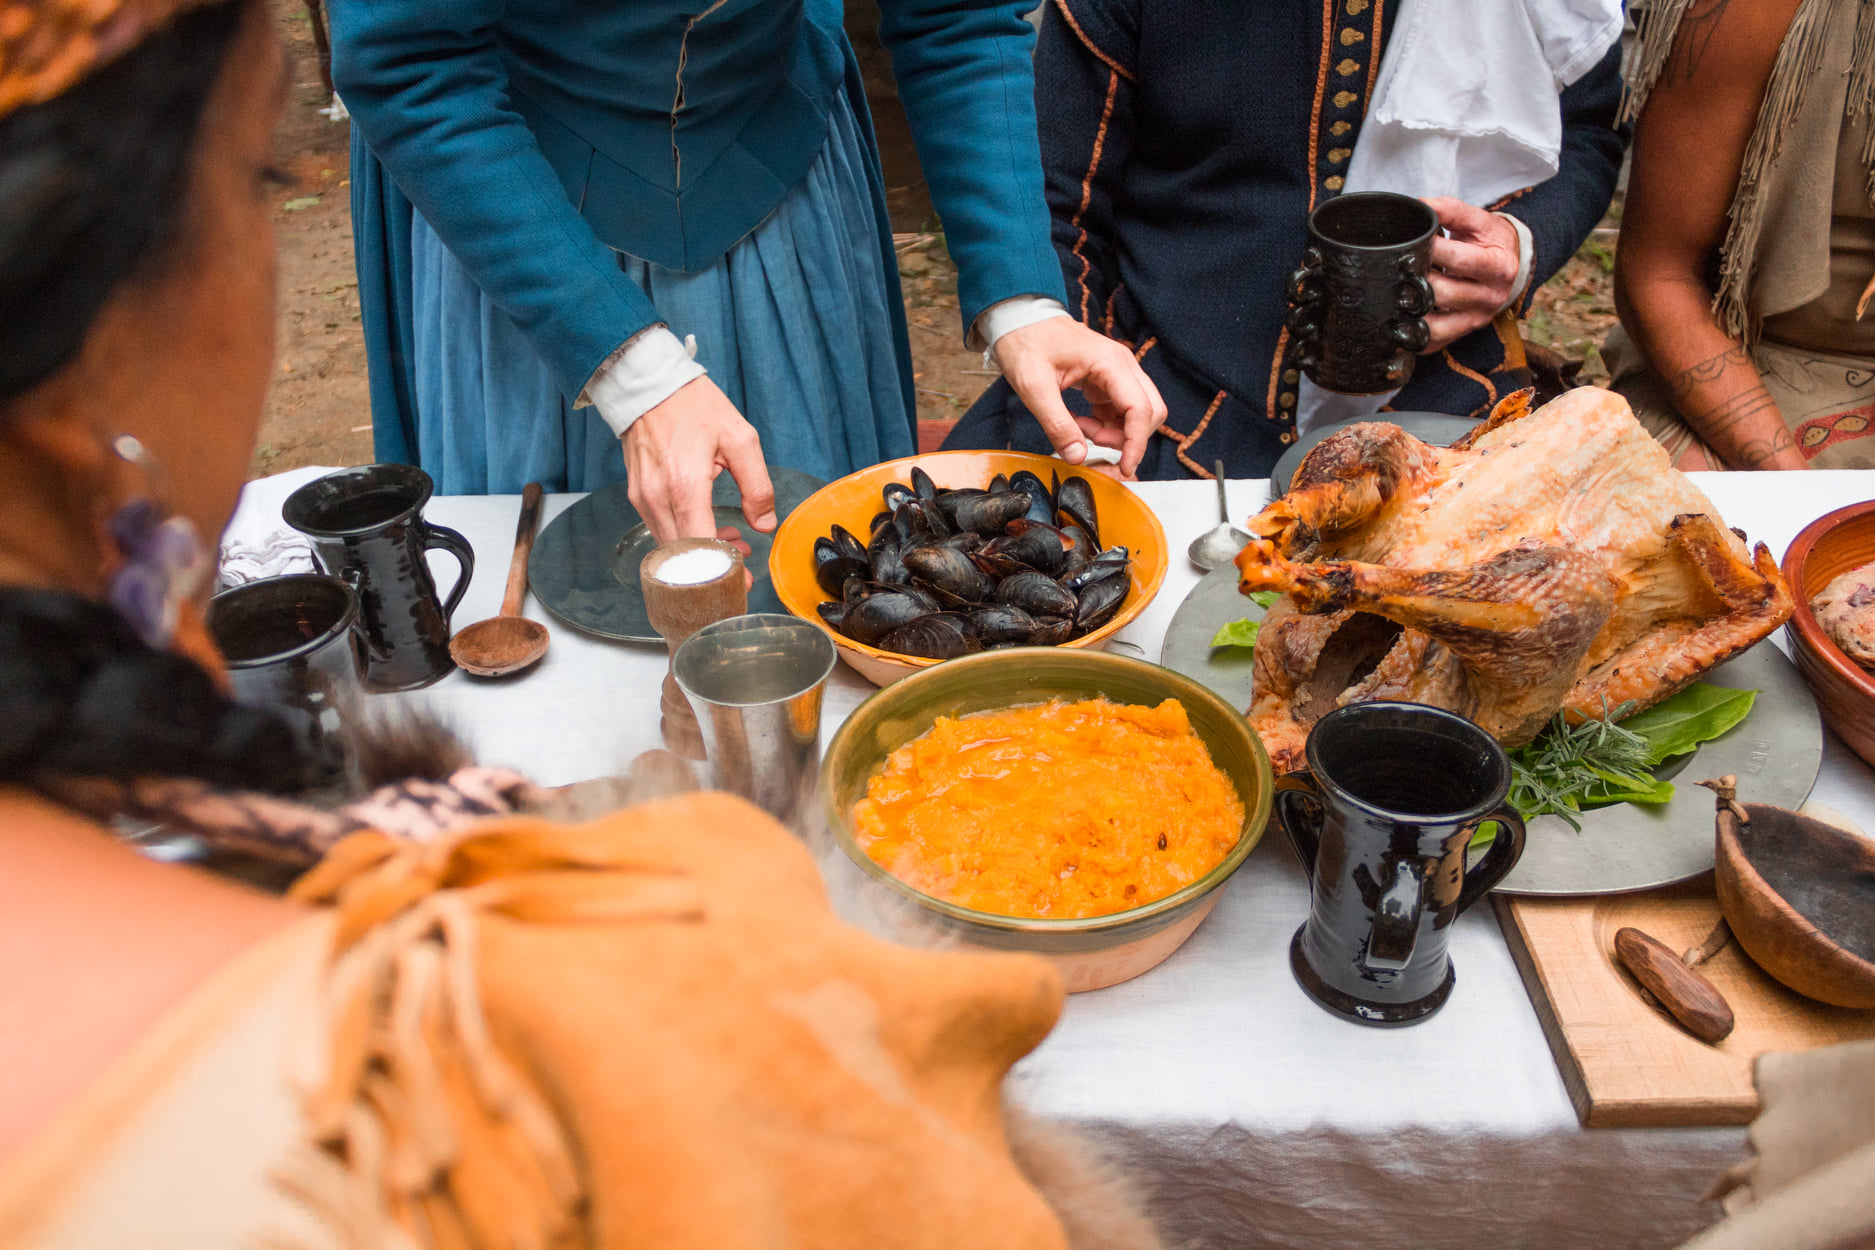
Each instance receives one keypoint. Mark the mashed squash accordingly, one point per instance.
(1061, 811)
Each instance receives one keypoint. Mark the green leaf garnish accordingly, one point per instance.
(1696, 714)
(1569, 769)
(1237, 634)
(1244, 633)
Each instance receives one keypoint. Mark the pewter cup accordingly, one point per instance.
(756, 683)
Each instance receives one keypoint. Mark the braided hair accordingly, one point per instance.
(94, 188)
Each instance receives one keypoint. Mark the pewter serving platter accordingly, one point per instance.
(1440, 429)
(1775, 754)
(585, 563)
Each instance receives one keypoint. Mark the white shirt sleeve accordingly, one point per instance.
(650, 368)
(1005, 315)
(1526, 260)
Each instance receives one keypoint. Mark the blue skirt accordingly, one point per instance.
(798, 324)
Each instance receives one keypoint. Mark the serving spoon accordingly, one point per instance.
(1222, 541)
(510, 642)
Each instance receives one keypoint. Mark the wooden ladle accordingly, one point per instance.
(510, 642)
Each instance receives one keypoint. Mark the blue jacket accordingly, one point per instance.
(539, 138)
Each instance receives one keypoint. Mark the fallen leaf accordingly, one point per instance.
(304, 202)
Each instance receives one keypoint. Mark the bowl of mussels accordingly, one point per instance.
(920, 560)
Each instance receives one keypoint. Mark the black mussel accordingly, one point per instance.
(960, 620)
(935, 520)
(1042, 547)
(832, 612)
(964, 541)
(990, 514)
(929, 637)
(1075, 498)
(879, 519)
(950, 571)
(875, 616)
(999, 484)
(1003, 623)
(996, 564)
(832, 566)
(1041, 499)
(896, 493)
(882, 553)
(849, 546)
(1110, 563)
(922, 485)
(1098, 602)
(943, 598)
(834, 575)
(1050, 631)
(1035, 593)
(1081, 549)
(949, 500)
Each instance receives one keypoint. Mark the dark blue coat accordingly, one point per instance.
(1185, 143)
(538, 139)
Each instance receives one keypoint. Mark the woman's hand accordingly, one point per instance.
(1044, 359)
(1473, 270)
(673, 454)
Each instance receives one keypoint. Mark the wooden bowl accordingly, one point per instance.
(1100, 950)
(855, 499)
(1829, 546)
(1800, 897)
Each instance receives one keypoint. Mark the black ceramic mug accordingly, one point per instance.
(291, 644)
(1382, 826)
(1357, 305)
(366, 526)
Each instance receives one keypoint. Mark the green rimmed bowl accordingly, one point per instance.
(1101, 950)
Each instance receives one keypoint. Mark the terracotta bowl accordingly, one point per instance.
(1829, 546)
(1800, 897)
(855, 499)
(1092, 953)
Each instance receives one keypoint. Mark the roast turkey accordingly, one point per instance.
(1551, 561)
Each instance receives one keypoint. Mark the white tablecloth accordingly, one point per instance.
(1256, 1118)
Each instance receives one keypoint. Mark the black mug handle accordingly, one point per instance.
(1506, 850)
(458, 546)
(1295, 793)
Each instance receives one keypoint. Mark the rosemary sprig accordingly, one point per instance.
(1596, 761)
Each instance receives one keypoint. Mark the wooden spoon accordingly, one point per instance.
(510, 642)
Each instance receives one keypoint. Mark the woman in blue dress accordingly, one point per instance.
(559, 204)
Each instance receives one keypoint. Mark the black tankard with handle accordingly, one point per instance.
(367, 526)
(1382, 821)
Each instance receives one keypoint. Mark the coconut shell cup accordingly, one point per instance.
(1799, 896)
(1845, 691)
(852, 501)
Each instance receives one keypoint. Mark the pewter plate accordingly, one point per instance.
(585, 563)
(1775, 754)
(1441, 429)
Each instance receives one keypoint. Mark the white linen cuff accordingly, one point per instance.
(1526, 260)
(650, 368)
(1010, 314)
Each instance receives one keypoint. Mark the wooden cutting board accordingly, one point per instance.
(1624, 1061)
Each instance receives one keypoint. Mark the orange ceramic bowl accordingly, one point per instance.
(1828, 547)
(855, 499)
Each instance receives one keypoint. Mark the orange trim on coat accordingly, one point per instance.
(1373, 55)
(1080, 34)
(1490, 388)
(1139, 357)
(1321, 89)
(1087, 193)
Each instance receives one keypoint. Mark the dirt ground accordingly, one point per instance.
(320, 412)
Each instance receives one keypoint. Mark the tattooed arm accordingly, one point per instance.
(1688, 146)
